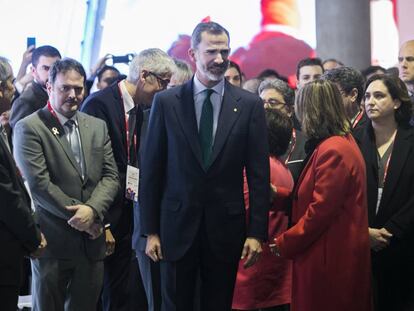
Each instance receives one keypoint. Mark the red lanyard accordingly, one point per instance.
(126, 118)
(386, 169)
(49, 107)
(357, 119)
(293, 144)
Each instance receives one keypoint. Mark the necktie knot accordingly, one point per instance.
(70, 124)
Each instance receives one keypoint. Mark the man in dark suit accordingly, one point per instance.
(35, 95)
(66, 158)
(201, 137)
(19, 234)
(124, 106)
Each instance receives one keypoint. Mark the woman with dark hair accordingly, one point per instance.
(233, 74)
(267, 284)
(387, 145)
(328, 242)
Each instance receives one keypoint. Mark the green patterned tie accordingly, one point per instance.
(205, 132)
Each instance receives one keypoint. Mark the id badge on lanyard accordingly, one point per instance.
(132, 183)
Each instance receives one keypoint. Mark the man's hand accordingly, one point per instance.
(41, 248)
(110, 242)
(379, 238)
(95, 230)
(83, 218)
(153, 248)
(252, 249)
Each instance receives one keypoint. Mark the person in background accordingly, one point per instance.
(387, 145)
(267, 285)
(233, 74)
(106, 76)
(406, 66)
(308, 70)
(350, 84)
(276, 94)
(372, 70)
(328, 242)
(331, 63)
(35, 95)
(19, 234)
(252, 85)
(182, 74)
(125, 106)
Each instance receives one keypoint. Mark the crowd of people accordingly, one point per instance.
(171, 190)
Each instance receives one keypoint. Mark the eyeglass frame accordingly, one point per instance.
(275, 104)
(163, 83)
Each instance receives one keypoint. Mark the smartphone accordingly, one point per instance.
(31, 41)
(122, 59)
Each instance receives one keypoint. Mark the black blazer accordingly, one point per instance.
(176, 193)
(107, 105)
(396, 210)
(33, 98)
(19, 234)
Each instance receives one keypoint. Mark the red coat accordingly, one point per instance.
(268, 282)
(329, 241)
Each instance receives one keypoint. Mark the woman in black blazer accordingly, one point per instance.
(387, 145)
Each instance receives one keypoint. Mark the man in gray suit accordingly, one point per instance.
(67, 159)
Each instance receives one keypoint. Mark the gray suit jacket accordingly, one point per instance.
(47, 162)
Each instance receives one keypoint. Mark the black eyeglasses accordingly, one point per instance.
(163, 83)
(274, 103)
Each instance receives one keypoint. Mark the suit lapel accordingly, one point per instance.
(185, 112)
(54, 126)
(230, 112)
(399, 156)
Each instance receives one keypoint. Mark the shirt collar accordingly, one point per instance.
(62, 119)
(200, 87)
(126, 97)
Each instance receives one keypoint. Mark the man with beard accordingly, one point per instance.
(66, 158)
(35, 96)
(201, 137)
(124, 106)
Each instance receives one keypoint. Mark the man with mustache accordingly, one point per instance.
(201, 137)
(66, 158)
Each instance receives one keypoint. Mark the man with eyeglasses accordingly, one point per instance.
(125, 106)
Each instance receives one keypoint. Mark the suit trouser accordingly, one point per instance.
(70, 285)
(179, 279)
(150, 273)
(8, 297)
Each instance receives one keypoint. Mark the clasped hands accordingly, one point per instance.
(84, 220)
(379, 238)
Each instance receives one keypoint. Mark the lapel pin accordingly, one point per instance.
(55, 131)
(235, 109)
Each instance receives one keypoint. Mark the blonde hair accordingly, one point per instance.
(320, 109)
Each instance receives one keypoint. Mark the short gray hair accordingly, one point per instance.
(183, 72)
(280, 86)
(5, 70)
(154, 60)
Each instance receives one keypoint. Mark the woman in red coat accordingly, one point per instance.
(328, 242)
(267, 284)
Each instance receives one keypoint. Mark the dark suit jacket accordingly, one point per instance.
(107, 105)
(19, 234)
(176, 193)
(32, 99)
(47, 162)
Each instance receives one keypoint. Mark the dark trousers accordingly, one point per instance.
(179, 279)
(150, 274)
(122, 289)
(8, 297)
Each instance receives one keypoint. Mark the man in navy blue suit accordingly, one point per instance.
(201, 138)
